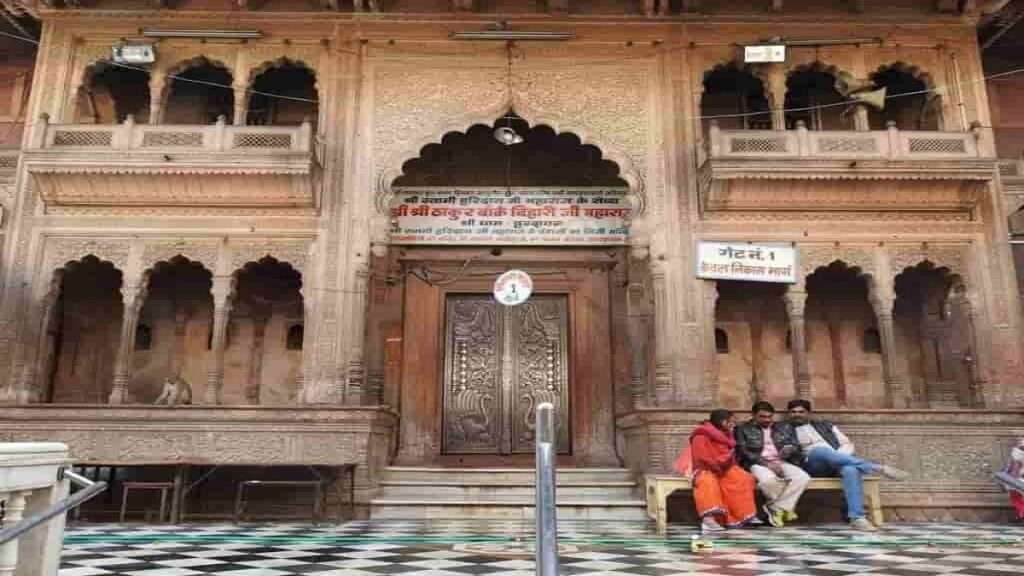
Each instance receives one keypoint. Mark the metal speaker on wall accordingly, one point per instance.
(847, 84)
(507, 136)
(873, 98)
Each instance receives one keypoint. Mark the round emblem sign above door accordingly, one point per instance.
(513, 288)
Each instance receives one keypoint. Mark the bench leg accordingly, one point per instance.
(238, 502)
(124, 502)
(875, 503)
(662, 519)
(163, 505)
(652, 502)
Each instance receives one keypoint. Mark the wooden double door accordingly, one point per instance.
(501, 362)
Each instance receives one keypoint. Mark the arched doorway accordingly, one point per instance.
(469, 371)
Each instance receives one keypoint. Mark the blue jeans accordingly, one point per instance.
(826, 462)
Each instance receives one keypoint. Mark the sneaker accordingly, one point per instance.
(709, 524)
(863, 525)
(894, 473)
(755, 521)
(776, 518)
(789, 516)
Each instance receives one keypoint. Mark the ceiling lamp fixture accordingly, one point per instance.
(231, 34)
(506, 134)
(501, 32)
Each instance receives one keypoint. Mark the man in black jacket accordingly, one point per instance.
(830, 453)
(771, 452)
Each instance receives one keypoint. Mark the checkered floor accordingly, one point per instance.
(503, 548)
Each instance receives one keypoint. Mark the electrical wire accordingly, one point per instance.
(936, 90)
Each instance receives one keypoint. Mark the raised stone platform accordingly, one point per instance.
(951, 454)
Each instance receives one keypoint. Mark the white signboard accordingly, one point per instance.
(745, 261)
(513, 288)
(545, 216)
(764, 53)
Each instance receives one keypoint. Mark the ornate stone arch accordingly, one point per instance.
(62, 251)
(166, 76)
(293, 254)
(814, 66)
(856, 258)
(204, 253)
(281, 62)
(932, 98)
(391, 168)
(759, 72)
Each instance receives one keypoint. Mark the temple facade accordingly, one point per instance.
(293, 214)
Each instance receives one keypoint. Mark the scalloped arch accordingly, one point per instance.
(183, 65)
(815, 66)
(391, 168)
(281, 62)
(759, 72)
(911, 70)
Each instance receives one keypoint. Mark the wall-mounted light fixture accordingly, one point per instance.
(501, 32)
(231, 34)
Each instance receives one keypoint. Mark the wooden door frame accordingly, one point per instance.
(583, 275)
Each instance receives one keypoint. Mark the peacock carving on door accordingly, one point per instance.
(500, 363)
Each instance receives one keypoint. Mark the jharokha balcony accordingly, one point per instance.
(212, 166)
(802, 170)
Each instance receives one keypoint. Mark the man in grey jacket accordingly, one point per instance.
(771, 452)
(830, 453)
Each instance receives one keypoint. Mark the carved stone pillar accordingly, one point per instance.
(796, 303)
(895, 383)
(156, 103)
(639, 329)
(241, 105)
(223, 295)
(664, 392)
(14, 511)
(710, 349)
(777, 96)
(133, 294)
(860, 118)
(259, 332)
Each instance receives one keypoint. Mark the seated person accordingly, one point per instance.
(723, 492)
(1015, 468)
(829, 453)
(771, 452)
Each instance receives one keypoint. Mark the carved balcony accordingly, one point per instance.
(882, 170)
(204, 166)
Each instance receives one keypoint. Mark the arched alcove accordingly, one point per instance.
(736, 98)
(293, 85)
(198, 92)
(812, 98)
(110, 93)
(909, 100)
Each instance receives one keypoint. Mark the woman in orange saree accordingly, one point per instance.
(723, 491)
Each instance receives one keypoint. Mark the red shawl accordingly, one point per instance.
(713, 449)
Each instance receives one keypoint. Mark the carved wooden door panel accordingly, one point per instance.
(500, 363)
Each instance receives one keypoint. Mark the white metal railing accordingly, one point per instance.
(889, 144)
(170, 137)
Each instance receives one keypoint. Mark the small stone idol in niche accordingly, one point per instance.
(176, 392)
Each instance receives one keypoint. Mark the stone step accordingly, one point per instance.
(583, 493)
(471, 490)
(503, 475)
(580, 509)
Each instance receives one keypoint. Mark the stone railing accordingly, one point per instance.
(889, 144)
(149, 137)
(30, 482)
(9, 159)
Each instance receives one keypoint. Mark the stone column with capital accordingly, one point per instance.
(259, 332)
(133, 295)
(241, 105)
(796, 303)
(156, 96)
(710, 349)
(777, 95)
(664, 367)
(223, 296)
(895, 384)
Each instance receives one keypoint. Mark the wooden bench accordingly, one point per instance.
(661, 486)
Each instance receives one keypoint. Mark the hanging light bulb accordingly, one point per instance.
(507, 136)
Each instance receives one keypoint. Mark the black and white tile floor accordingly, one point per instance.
(502, 548)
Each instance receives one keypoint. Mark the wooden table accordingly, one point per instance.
(182, 468)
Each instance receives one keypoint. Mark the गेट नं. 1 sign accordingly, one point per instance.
(513, 288)
(746, 261)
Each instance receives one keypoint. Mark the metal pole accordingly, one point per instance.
(547, 520)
